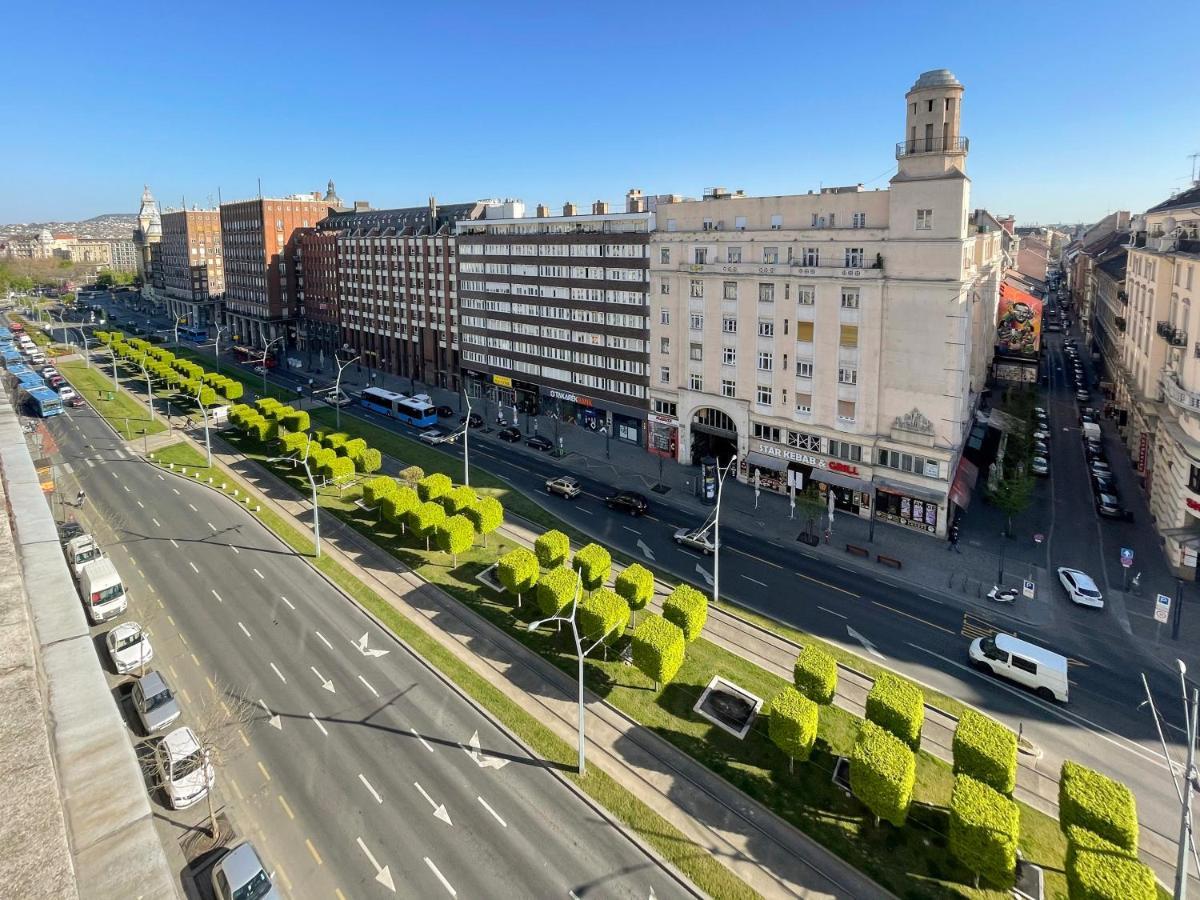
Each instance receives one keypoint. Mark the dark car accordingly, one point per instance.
(76, 402)
(56, 381)
(1104, 484)
(512, 435)
(1109, 506)
(628, 501)
(1095, 452)
(475, 420)
(444, 412)
(537, 442)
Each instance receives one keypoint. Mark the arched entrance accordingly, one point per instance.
(713, 434)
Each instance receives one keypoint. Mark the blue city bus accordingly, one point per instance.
(400, 406)
(18, 370)
(41, 401)
(193, 333)
(31, 380)
(5, 333)
(12, 358)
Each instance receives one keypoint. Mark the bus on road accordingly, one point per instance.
(193, 333)
(41, 402)
(399, 406)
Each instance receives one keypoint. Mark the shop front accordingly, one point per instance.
(910, 506)
(663, 435)
(624, 423)
(778, 469)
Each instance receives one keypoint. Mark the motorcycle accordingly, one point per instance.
(1002, 595)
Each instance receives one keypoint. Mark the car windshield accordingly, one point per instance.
(160, 699)
(189, 764)
(111, 592)
(1089, 592)
(130, 640)
(256, 887)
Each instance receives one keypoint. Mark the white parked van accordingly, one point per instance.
(82, 551)
(1042, 671)
(103, 593)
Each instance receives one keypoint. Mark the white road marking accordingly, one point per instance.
(115, 475)
(634, 530)
(274, 719)
(317, 722)
(244, 631)
(193, 565)
(260, 574)
(173, 544)
(176, 490)
(211, 526)
(368, 684)
(324, 640)
(367, 785)
(586, 512)
(139, 503)
(155, 521)
(442, 878)
(160, 478)
(288, 602)
(234, 549)
(755, 580)
(275, 669)
(218, 596)
(127, 490)
(831, 612)
(325, 682)
(90, 464)
(119, 452)
(67, 468)
(415, 734)
(382, 875)
(193, 509)
(488, 807)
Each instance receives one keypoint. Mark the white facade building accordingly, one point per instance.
(840, 337)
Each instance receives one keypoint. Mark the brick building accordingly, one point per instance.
(192, 265)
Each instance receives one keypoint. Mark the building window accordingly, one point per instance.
(664, 316)
(763, 396)
(770, 255)
(696, 321)
(849, 298)
(733, 255)
(729, 324)
(729, 356)
(664, 374)
(1194, 480)
(696, 288)
(924, 219)
(854, 257)
(766, 360)
(665, 408)
(664, 286)
(766, 328)
(804, 403)
(729, 290)
(776, 222)
(728, 388)
(806, 296)
(664, 345)
(804, 368)
(847, 375)
(849, 336)
(802, 441)
(810, 257)
(664, 255)
(858, 220)
(696, 352)
(768, 433)
(766, 293)
(696, 382)
(804, 332)
(701, 256)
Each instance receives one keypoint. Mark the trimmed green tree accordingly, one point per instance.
(434, 487)
(518, 571)
(396, 506)
(688, 608)
(792, 725)
(340, 470)
(294, 442)
(556, 590)
(882, 773)
(233, 390)
(335, 440)
(296, 420)
(552, 548)
(424, 519)
(594, 563)
(815, 674)
(1098, 803)
(410, 475)
(487, 515)
(897, 705)
(455, 535)
(984, 828)
(374, 489)
(458, 499)
(354, 446)
(1104, 875)
(986, 751)
(635, 585)
(367, 460)
(603, 617)
(658, 648)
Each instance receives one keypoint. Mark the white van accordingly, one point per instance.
(82, 551)
(1034, 667)
(103, 593)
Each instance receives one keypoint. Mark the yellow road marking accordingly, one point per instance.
(172, 669)
(911, 616)
(212, 687)
(196, 661)
(313, 851)
(338, 893)
(287, 809)
(287, 882)
(225, 708)
(182, 638)
(263, 769)
(151, 588)
(140, 572)
(186, 698)
(237, 790)
(160, 603)
(243, 737)
(172, 621)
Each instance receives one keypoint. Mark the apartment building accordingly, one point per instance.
(840, 337)
(554, 313)
(124, 254)
(256, 240)
(191, 265)
(1161, 362)
(383, 285)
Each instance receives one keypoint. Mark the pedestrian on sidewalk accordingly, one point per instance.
(79, 498)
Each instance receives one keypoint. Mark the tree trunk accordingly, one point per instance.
(214, 830)
(791, 765)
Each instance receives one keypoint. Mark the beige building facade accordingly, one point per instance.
(837, 339)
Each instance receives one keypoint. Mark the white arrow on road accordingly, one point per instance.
(361, 646)
(325, 683)
(704, 573)
(483, 760)
(867, 645)
(273, 718)
(649, 554)
(382, 875)
(439, 809)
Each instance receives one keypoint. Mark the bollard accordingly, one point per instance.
(171, 466)
(258, 507)
(224, 486)
(183, 470)
(196, 475)
(210, 479)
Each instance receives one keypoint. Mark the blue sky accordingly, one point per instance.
(1072, 110)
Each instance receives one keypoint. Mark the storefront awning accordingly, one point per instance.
(774, 463)
(840, 480)
(909, 490)
(964, 483)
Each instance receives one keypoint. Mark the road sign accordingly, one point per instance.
(1162, 608)
(1126, 557)
(1029, 589)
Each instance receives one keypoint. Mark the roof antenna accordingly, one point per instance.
(1193, 157)
(260, 188)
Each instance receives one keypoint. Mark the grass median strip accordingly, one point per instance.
(126, 414)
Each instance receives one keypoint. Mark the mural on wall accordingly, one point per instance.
(1018, 322)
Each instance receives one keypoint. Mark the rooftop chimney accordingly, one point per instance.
(600, 208)
(543, 211)
(634, 202)
(570, 209)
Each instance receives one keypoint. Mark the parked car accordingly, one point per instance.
(1040, 448)
(66, 392)
(1109, 506)
(1099, 466)
(184, 770)
(1104, 484)
(128, 647)
(1041, 466)
(1095, 452)
(1080, 587)
(474, 420)
(336, 399)
(510, 434)
(436, 436)
(628, 501)
(1082, 396)
(444, 412)
(240, 875)
(537, 442)
(696, 539)
(564, 486)
(154, 702)
(260, 370)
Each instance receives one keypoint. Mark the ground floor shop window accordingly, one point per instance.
(907, 511)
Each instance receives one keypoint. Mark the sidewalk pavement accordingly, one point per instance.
(770, 855)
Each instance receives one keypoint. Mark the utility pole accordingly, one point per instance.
(721, 476)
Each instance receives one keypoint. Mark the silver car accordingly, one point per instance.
(696, 539)
(154, 702)
(240, 874)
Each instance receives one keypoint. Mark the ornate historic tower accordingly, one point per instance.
(148, 232)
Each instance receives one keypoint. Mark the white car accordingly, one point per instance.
(185, 773)
(434, 436)
(338, 399)
(564, 486)
(1080, 587)
(66, 392)
(128, 647)
(1041, 466)
(696, 539)
(47, 371)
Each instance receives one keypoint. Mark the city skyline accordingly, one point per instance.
(735, 112)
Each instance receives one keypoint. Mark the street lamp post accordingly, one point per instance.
(266, 352)
(466, 433)
(149, 390)
(607, 451)
(337, 387)
(217, 345)
(312, 482)
(717, 528)
(204, 416)
(178, 319)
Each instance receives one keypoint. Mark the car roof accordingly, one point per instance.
(1043, 657)
(181, 742)
(81, 542)
(241, 863)
(1083, 579)
(125, 629)
(1109, 500)
(152, 682)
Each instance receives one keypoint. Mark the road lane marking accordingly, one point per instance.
(160, 478)
(277, 672)
(176, 490)
(415, 734)
(212, 687)
(634, 530)
(260, 574)
(317, 722)
(244, 631)
(173, 543)
(139, 503)
(245, 740)
(313, 850)
(287, 809)
(488, 807)
(114, 473)
(287, 882)
(442, 878)
(288, 602)
(155, 521)
(756, 558)
(324, 640)
(90, 464)
(234, 549)
(368, 684)
(171, 668)
(218, 596)
(195, 660)
(186, 699)
(237, 790)
(193, 509)
(127, 490)
(367, 785)
(586, 512)
(263, 769)
(901, 612)
(193, 565)
(755, 580)
(211, 526)
(831, 612)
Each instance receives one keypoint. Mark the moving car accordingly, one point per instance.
(184, 771)
(128, 647)
(435, 436)
(510, 434)
(1041, 466)
(47, 371)
(1082, 396)
(66, 392)
(1044, 671)
(564, 486)
(154, 703)
(1109, 506)
(444, 412)
(628, 501)
(240, 875)
(337, 399)
(474, 420)
(56, 381)
(696, 539)
(537, 442)
(1080, 587)
(76, 401)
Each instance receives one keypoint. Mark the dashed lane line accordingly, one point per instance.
(831, 612)
(901, 612)
(324, 640)
(218, 596)
(260, 575)
(176, 490)
(313, 850)
(288, 602)
(367, 785)
(155, 521)
(442, 878)
(275, 669)
(368, 684)
(263, 769)
(415, 734)
(755, 580)
(211, 526)
(245, 631)
(139, 503)
(317, 722)
(193, 565)
(287, 809)
(192, 508)
(234, 549)
(488, 807)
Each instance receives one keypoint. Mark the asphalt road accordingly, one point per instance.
(1103, 725)
(355, 760)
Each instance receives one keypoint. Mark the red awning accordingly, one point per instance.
(964, 483)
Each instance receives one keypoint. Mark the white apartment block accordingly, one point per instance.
(840, 338)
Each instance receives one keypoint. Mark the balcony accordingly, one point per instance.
(931, 145)
(1178, 395)
(1120, 322)
(872, 268)
(1176, 337)
(1123, 298)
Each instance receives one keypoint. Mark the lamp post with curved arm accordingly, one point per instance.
(313, 484)
(337, 387)
(717, 528)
